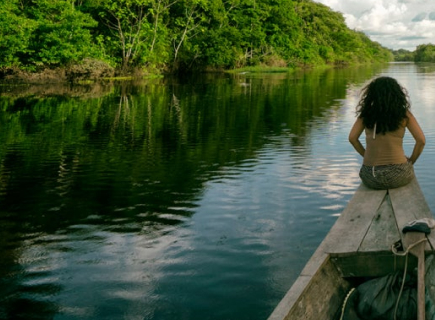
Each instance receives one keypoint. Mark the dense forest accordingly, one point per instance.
(123, 36)
(423, 53)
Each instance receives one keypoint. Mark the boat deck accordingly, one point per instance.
(358, 245)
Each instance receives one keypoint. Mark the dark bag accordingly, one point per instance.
(376, 299)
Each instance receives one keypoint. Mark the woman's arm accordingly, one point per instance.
(418, 135)
(354, 135)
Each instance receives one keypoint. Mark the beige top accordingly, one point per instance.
(387, 149)
(382, 149)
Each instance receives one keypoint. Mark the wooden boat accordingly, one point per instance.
(358, 245)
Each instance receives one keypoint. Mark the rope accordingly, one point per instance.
(401, 287)
(345, 302)
(405, 253)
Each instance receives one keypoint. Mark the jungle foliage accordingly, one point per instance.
(178, 34)
(403, 55)
(423, 53)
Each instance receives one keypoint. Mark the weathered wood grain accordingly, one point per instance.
(412, 243)
(348, 232)
(383, 231)
(314, 297)
(409, 204)
(370, 264)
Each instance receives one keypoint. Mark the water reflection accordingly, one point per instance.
(171, 198)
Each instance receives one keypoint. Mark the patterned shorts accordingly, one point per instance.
(387, 177)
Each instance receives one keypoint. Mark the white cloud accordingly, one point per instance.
(395, 24)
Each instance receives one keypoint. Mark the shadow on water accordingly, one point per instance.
(132, 158)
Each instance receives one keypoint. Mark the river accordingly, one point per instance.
(192, 198)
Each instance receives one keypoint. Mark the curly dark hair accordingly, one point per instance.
(384, 102)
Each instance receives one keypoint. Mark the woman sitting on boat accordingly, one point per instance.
(384, 113)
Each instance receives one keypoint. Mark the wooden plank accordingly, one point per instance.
(318, 297)
(409, 204)
(290, 301)
(287, 304)
(412, 242)
(351, 227)
(370, 264)
(383, 230)
(316, 261)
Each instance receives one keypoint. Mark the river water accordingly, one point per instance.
(189, 198)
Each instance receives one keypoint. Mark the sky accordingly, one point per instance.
(395, 24)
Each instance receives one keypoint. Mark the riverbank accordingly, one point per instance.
(94, 70)
(91, 71)
(87, 70)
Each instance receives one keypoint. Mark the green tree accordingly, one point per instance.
(15, 34)
(223, 42)
(403, 55)
(127, 19)
(181, 34)
(62, 34)
(159, 49)
(188, 19)
(137, 30)
(425, 53)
